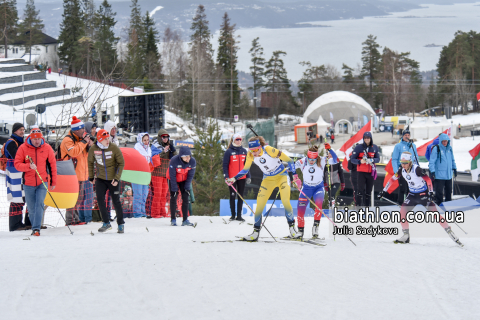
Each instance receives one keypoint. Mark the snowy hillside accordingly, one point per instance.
(167, 273)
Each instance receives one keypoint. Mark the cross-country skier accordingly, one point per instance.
(269, 160)
(418, 183)
(312, 167)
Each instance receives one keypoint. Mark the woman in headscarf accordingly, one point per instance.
(140, 192)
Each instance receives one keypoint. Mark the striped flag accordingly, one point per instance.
(15, 192)
(475, 165)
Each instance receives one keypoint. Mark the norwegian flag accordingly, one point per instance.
(389, 173)
(347, 147)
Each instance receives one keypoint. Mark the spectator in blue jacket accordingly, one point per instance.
(441, 165)
(180, 173)
(403, 146)
(233, 162)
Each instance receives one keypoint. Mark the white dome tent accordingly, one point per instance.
(342, 104)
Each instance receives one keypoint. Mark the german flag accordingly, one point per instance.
(65, 193)
(136, 168)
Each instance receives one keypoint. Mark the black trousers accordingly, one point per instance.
(353, 180)
(240, 186)
(365, 186)
(185, 200)
(403, 189)
(15, 219)
(440, 185)
(101, 187)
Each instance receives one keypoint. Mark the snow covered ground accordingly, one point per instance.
(167, 273)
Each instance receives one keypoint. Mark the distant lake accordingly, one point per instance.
(341, 41)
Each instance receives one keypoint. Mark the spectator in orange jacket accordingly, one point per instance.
(41, 154)
(75, 146)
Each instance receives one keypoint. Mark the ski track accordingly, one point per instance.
(163, 274)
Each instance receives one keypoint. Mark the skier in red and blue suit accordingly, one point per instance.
(312, 167)
(180, 173)
(233, 162)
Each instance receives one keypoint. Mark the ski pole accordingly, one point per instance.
(388, 200)
(443, 212)
(263, 224)
(311, 201)
(31, 162)
(249, 126)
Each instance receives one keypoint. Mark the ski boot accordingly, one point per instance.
(121, 228)
(294, 234)
(316, 225)
(405, 238)
(188, 224)
(105, 227)
(252, 237)
(453, 236)
(173, 223)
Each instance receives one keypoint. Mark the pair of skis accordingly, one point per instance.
(306, 241)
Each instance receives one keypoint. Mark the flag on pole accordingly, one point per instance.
(389, 173)
(347, 147)
(475, 166)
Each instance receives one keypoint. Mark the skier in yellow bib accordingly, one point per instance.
(269, 160)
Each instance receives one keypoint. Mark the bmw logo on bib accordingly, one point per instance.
(311, 170)
(262, 160)
(408, 177)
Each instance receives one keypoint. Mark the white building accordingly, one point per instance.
(43, 53)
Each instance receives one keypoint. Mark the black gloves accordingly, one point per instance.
(432, 176)
(431, 196)
(455, 172)
(380, 194)
(173, 194)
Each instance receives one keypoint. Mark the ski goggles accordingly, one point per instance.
(312, 155)
(36, 134)
(102, 135)
(165, 137)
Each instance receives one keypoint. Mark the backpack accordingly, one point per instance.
(3, 163)
(58, 153)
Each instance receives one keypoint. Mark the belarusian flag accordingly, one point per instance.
(357, 138)
(475, 167)
(423, 148)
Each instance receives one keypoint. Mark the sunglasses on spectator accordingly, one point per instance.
(165, 137)
(36, 131)
(238, 139)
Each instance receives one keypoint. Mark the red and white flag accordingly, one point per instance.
(347, 148)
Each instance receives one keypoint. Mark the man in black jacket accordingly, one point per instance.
(16, 209)
(365, 155)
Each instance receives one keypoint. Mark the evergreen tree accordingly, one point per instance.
(201, 62)
(31, 28)
(152, 57)
(312, 81)
(371, 59)
(8, 22)
(209, 183)
(277, 82)
(88, 40)
(257, 69)
(347, 74)
(136, 46)
(227, 60)
(105, 41)
(72, 29)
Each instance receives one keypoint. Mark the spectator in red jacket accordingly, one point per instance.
(233, 162)
(43, 163)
